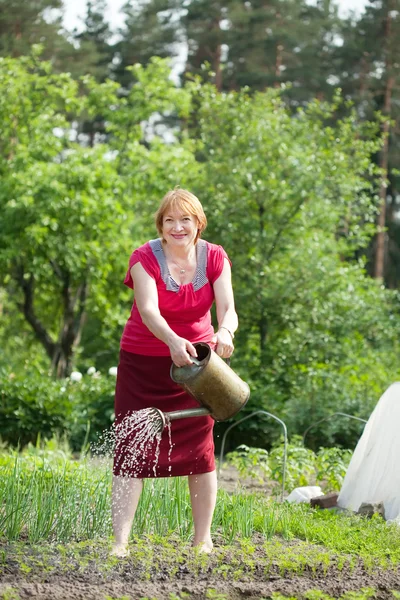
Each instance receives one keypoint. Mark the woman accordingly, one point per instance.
(176, 279)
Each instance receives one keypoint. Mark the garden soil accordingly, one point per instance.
(130, 578)
(166, 570)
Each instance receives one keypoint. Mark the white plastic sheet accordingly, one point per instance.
(304, 494)
(373, 474)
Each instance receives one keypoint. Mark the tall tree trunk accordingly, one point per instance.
(217, 67)
(384, 158)
(278, 64)
(216, 55)
(263, 322)
(365, 67)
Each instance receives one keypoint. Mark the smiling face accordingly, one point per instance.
(180, 205)
(179, 229)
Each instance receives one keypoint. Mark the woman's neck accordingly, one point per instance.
(184, 254)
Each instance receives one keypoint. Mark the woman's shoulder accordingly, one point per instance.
(146, 247)
(145, 256)
(214, 249)
(146, 250)
(216, 256)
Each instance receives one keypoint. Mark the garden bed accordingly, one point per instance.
(167, 569)
(55, 540)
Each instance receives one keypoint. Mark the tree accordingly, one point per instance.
(95, 40)
(150, 29)
(292, 198)
(94, 56)
(25, 23)
(391, 70)
(205, 36)
(280, 42)
(56, 238)
(278, 191)
(67, 211)
(370, 77)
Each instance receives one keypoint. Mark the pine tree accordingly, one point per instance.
(24, 23)
(261, 44)
(151, 29)
(371, 78)
(95, 40)
(205, 26)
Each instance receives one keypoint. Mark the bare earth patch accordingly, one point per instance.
(230, 481)
(156, 570)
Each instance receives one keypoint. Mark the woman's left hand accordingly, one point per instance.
(224, 343)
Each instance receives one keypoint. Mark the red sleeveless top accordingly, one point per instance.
(186, 308)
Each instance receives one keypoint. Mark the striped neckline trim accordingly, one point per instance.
(200, 277)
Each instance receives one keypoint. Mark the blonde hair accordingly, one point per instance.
(184, 201)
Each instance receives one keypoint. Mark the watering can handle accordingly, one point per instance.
(197, 362)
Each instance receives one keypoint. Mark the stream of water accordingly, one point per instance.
(132, 441)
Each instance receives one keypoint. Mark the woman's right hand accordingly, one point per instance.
(181, 351)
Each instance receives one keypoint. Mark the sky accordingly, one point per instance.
(74, 9)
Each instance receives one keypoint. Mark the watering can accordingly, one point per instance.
(210, 380)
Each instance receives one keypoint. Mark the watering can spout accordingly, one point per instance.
(161, 419)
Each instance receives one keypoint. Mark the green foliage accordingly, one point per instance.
(326, 468)
(212, 594)
(294, 196)
(25, 23)
(331, 466)
(65, 235)
(292, 199)
(93, 409)
(9, 594)
(250, 462)
(300, 464)
(32, 406)
(52, 497)
(47, 497)
(36, 407)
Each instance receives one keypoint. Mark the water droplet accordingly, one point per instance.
(131, 440)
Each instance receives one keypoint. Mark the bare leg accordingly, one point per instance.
(125, 497)
(203, 495)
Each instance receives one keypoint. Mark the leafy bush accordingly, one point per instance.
(32, 405)
(35, 405)
(300, 466)
(250, 462)
(331, 466)
(326, 468)
(92, 408)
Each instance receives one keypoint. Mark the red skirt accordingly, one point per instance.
(144, 382)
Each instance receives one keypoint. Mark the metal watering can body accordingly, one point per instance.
(216, 387)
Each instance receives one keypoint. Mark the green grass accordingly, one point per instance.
(60, 500)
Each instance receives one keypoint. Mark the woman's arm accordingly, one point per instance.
(146, 298)
(226, 313)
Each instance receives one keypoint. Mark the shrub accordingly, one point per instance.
(32, 404)
(36, 405)
(326, 468)
(92, 408)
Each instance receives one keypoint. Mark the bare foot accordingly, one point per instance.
(205, 547)
(120, 550)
